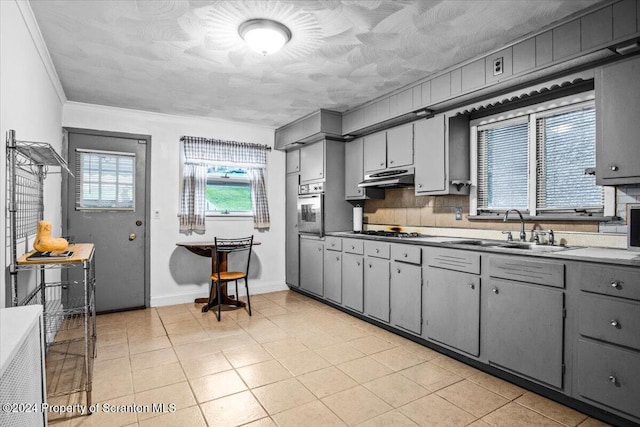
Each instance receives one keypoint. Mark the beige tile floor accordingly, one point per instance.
(295, 362)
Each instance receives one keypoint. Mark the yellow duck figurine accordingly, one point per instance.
(44, 242)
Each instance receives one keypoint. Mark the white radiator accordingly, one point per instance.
(22, 375)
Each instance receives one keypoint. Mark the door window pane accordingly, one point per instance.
(105, 180)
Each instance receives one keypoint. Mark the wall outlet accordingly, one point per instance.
(458, 212)
(498, 66)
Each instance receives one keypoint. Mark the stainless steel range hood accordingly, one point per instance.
(402, 177)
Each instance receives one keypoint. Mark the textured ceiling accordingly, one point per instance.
(186, 58)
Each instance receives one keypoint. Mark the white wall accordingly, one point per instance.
(176, 275)
(31, 102)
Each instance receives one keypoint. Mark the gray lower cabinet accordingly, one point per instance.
(311, 265)
(352, 281)
(333, 275)
(524, 329)
(406, 296)
(452, 304)
(607, 353)
(291, 223)
(376, 288)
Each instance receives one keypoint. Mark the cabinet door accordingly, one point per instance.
(406, 296)
(354, 169)
(452, 309)
(333, 276)
(400, 146)
(291, 240)
(352, 281)
(293, 161)
(617, 137)
(524, 329)
(430, 162)
(312, 162)
(375, 152)
(311, 265)
(376, 288)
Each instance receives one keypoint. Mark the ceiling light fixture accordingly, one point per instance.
(264, 35)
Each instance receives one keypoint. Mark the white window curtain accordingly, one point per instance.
(199, 153)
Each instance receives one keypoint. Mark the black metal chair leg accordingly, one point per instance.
(237, 294)
(219, 298)
(246, 285)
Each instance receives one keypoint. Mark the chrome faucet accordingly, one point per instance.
(523, 235)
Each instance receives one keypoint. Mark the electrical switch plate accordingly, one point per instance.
(458, 212)
(497, 66)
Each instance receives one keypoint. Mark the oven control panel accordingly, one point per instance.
(314, 188)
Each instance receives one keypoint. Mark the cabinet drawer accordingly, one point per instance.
(606, 280)
(333, 243)
(377, 249)
(611, 320)
(353, 246)
(609, 375)
(407, 253)
(453, 259)
(524, 270)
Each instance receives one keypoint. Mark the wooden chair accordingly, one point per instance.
(220, 276)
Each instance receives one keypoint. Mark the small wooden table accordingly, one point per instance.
(206, 249)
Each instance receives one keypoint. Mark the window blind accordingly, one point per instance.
(565, 147)
(503, 166)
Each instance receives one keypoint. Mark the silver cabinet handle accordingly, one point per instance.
(615, 323)
(391, 162)
(352, 247)
(615, 284)
(613, 379)
(614, 168)
(359, 190)
(419, 185)
(369, 265)
(405, 255)
(494, 290)
(398, 270)
(337, 258)
(319, 249)
(381, 164)
(377, 251)
(472, 286)
(358, 263)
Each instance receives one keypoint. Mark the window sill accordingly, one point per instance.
(543, 218)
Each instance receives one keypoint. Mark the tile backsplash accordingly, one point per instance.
(402, 207)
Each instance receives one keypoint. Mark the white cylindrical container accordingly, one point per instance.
(357, 219)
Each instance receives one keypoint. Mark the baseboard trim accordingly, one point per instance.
(256, 288)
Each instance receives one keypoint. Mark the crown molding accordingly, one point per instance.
(40, 45)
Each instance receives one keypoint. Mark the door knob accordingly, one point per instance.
(132, 236)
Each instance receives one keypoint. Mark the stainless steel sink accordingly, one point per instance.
(526, 246)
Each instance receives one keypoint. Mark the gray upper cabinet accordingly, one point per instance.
(442, 155)
(293, 161)
(617, 130)
(312, 162)
(524, 329)
(389, 149)
(400, 146)
(375, 152)
(353, 169)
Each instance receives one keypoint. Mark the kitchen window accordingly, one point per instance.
(540, 160)
(228, 191)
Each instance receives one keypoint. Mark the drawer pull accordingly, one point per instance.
(377, 251)
(472, 286)
(615, 284)
(494, 290)
(615, 323)
(353, 247)
(398, 270)
(405, 255)
(613, 379)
